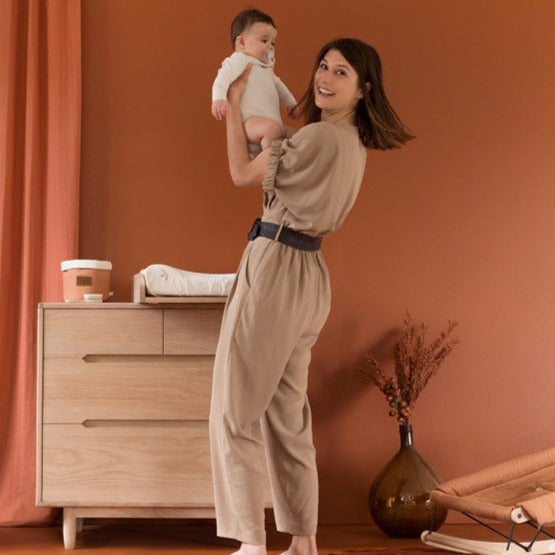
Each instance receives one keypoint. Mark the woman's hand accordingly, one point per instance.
(237, 88)
(293, 111)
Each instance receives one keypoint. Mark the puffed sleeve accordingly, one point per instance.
(303, 160)
(315, 175)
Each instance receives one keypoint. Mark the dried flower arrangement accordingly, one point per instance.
(414, 364)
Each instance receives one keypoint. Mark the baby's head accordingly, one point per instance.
(254, 33)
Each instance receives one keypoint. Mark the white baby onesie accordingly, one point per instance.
(264, 92)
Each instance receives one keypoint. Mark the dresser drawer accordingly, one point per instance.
(104, 387)
(102, 331)
(133, 465)
(192, 331)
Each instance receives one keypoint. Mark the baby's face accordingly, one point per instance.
(259, 41)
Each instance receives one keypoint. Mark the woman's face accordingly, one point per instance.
(336, 88)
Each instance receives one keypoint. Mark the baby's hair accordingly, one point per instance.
(245, 19)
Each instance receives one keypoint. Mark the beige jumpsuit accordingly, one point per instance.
(278, 304)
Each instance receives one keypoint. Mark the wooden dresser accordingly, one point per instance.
(123, 403)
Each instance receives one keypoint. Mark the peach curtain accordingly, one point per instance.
(40, 126)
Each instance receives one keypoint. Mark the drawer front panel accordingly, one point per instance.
(127, 387)
(97, 331)
(126, 465)
(192, 331)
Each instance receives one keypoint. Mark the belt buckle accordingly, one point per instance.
(255, 230)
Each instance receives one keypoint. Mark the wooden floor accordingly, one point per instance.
(172, 537)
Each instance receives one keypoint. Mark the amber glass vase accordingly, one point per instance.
(399, 498)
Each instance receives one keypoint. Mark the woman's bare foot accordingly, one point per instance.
(250, 549)
(302, 545)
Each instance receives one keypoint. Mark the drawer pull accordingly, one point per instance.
(143, 423)
(158, 359)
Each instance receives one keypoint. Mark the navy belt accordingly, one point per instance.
(287, 236)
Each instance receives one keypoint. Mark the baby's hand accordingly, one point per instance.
(219, 109)
(293, 111)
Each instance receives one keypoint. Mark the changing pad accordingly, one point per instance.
(162, 280)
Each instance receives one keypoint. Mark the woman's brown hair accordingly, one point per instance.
(379, 127)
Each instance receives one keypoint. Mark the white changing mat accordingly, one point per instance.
(162, 280)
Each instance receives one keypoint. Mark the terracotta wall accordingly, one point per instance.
(457, 225)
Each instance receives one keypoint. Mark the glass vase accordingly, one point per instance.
(399, 498)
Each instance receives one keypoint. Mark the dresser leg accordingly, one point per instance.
(69, 528)
(79, 525)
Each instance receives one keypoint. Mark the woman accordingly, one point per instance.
(281, 297)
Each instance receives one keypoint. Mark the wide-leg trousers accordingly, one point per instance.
(259, 409)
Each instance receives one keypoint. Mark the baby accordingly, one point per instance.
(253, 37)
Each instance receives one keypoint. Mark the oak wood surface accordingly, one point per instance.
(84, 331)
(127, 387)
(122, 411)
(192, 331)
(121, 463)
